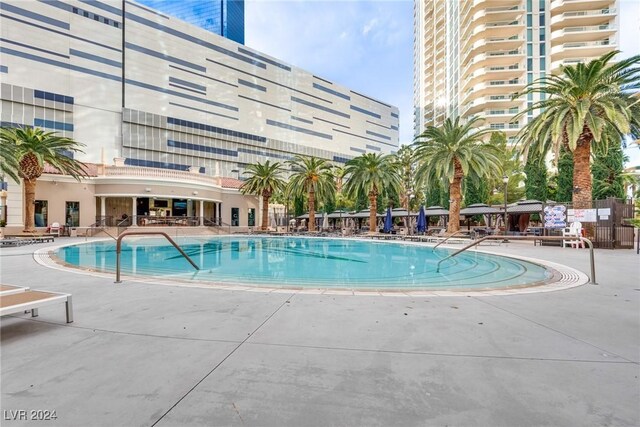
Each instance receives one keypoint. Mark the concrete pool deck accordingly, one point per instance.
(140, 354)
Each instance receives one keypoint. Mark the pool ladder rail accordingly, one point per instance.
(146, 233)
(592, 278)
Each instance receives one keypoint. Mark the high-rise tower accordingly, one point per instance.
(471, 56)
(222, 17)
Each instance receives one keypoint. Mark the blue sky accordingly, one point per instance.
(367, 45)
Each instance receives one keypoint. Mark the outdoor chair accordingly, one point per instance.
(27, 300)
(55, 229)
(574, 230)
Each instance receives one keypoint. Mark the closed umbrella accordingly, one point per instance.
(325, 221)
(388, 222)
(422, 221)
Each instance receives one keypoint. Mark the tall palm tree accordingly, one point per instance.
(405, 161)
(371, 174)
(31, 148)
(580, 107)
(313, 176)
(453, 151)
(264, 180)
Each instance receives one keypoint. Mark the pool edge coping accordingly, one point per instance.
(563, 277)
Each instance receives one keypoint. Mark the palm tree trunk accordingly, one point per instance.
(265, 212)
(373, 211)
(29, 205)
(455, 195)
(312, 209)
(582, 172)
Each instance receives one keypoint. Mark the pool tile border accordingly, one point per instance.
(563, 277)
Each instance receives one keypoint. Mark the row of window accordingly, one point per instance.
(208, 128)
(95, 17)
(50, 124)
(53, 96)
(71, 214)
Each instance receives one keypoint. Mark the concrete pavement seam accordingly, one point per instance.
(556, 330)
(428, 353)
(287, 300)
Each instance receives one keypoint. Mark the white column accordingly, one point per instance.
(201, 213)
(134, 214)
(103, 209)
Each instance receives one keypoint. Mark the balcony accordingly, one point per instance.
(494, 43)
(495, 13)
(557, 65)
(472, 6)
(559, 6)
(578, 34)
(493, 88)
(500, 29)
(493, 73)
(582, 18)
(493, 59)
(582, 49)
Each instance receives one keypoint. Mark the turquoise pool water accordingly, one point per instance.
(306, 262)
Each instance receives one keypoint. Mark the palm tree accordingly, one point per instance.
(453, 151)
(371, 174)
(264, 180)
(405, 161)
(581, 107)
(313, 176)
(31, 148)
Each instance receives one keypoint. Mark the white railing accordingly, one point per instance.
(588, 28)
(154, 173)
(589, 12)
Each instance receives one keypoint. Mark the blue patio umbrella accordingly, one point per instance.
(422, 221)
(388, 222)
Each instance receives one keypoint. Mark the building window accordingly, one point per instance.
(542, 20)
(543, 64)
(529, 5)
(529, 20)
(72, 214)
(543, 50)
(235, 217)
(543, 34)
(529, 64)
(529, 35)
(40, 215)
(529, 49)
(251, 218)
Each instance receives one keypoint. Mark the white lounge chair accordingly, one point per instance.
(32, 300)
(574, 230)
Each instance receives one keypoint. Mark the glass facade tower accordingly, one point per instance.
(222, 17)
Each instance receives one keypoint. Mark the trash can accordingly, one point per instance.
(73, 232)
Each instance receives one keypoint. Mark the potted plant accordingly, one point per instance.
(3, 224)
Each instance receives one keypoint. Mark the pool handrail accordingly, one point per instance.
(448, 237)
(145, 233)
(592, 278)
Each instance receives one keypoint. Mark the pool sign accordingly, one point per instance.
(582, 215)
(555, 216)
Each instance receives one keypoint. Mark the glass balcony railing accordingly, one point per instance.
(587, 44)
(589, 12)
(589, 28)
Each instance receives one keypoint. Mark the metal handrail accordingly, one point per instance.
(448, 237)
(592, 279)
(143, 233)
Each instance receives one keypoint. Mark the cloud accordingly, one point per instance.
(369, 26)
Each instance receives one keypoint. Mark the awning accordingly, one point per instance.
(436, 211)
(479, 209)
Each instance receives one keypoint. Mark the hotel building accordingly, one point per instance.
(181, 110)
(471, 56)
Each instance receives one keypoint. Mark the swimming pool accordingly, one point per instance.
(298, 262)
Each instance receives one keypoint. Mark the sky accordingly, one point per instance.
(367, 45)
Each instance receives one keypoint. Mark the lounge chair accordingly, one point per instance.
(32, 300)
(9, 290)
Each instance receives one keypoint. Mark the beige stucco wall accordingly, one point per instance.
(58, 192)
